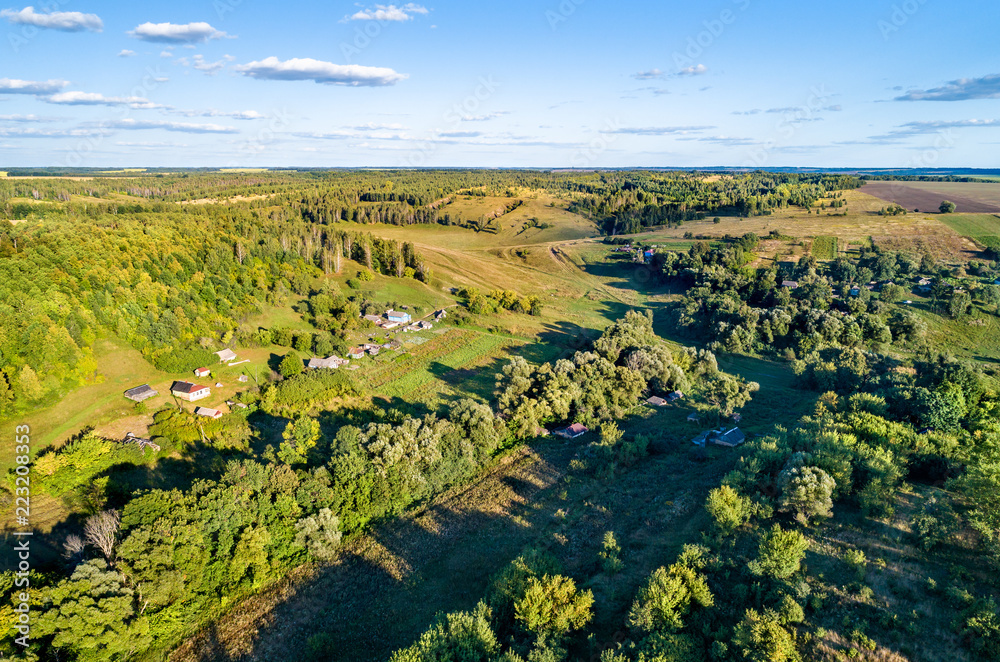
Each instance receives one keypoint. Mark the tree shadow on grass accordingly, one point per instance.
(386, 587)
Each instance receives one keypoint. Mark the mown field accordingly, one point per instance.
(970, 198)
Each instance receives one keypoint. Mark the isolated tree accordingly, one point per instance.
(947, 207)
(74, 547)
(457, 637)
(101, 531)
(728, 509)
(891, 293)
(779, 554)
(761, 638)
(670, 594)
(291, 365)
(959, 304)
(319, 534)
(729, 393)
(553, 606)
(806, 492)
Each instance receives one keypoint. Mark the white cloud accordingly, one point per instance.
(321, 72)
(15, 86)
(237, 114)
(662, 130)
(210, 68)
(142, 125)
(695, 70)
(97, 99)
(42, 133)
(172, 33)
(147, 145)
(487, 117)
(166, 54)
(648, 75)
(25, 118)
(389, 13)
(67, 21)
(963, 89)
(126, 53)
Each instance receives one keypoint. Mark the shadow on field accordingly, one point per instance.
(386, 586)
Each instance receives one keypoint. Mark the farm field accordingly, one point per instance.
(970, 198)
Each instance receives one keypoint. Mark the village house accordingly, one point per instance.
(214, 414)
(572, 432)
(426, 326)
(389, 326)
(189, 392)
(656, 401)
(330, 363)
(790, 284)
(356, 353)
(226, 355)
(202, 372)
(728, 438)
(140, 393)
(440, 315)
(675, 396)
(398, 317)
(374, 319)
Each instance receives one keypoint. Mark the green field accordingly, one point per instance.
(825, 248)
(973, 225)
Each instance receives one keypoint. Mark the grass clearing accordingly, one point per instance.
(825, 248)
(973, 225)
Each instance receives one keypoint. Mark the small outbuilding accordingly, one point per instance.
(399, 317)
(214, 414)
(693, 417)
(656, 401)
(572, 432)
(728, 438)
(226, 355)
(675, 396)
(140, 393)
(202, 372)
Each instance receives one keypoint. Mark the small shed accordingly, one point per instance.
(202, 372)
(226, 355)
(675, 396)
(728, 438)
(208, 413)
(140, 393)
(243, 379)
(572, 432)
(693, 417)
(399, 317)
(656, 401)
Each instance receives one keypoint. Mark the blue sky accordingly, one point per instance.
(559, 83)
